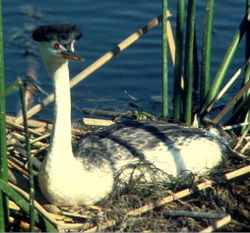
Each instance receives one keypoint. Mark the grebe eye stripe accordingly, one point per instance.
(56, 45)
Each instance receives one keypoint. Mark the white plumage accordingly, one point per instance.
(87, 175)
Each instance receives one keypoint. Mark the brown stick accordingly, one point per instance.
(235, 99)
(20, 127)
(98, 112)
(242, 138)
(18, 168)
(218, 224)
(172, 47)
(245, 147)
(31, 122)
(24, 225)
(227, 86)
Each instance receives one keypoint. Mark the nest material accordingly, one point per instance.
(188, 203)
(194, 212)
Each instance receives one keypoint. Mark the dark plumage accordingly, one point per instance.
(58, 32)
(134, 138)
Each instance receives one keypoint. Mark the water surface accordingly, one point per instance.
(105, 24)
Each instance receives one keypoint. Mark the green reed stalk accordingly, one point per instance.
(30, 157)
(247, 52)
(214, 89)
(12, 87)
(196, 75)
(206, 51)
(247, 48)
(189, 62)
(178, 59)
(247, 79)
(4, 211)
(22, 203)
(164, 60)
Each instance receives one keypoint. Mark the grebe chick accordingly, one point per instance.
(87, 176)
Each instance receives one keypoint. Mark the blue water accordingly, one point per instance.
(106, 23)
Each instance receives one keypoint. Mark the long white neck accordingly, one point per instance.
(60, 144)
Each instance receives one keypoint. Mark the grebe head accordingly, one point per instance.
(57, 42)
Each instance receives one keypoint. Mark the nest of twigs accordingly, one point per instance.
(218, 201)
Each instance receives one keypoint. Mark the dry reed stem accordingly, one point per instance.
(49, 216)
(172, 47)
(240, 155)
(13, 205)
(170, 198)
(98, 63)
(22, 139)
(19, 127)
(98, 112)
(31, 122)
(18, 168)
(218, 224)
(171, 41)
(242, 138)
(204, 185)
(36, 204)
(76, 215)
(234, 100)
(97, 122)
(40, 138)
(245, 147)
(102, 226)
(227, 86)
(229, 127)
(22, 224)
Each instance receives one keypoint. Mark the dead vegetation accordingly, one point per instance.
(219, 201)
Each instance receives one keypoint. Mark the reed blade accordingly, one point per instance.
(23, 204)
(214, 88)
(164, 60)
(12, 87)
(206, 51)
(4, 211)
(247, 52)
(29, 156)
(189, 62)
(178, 84)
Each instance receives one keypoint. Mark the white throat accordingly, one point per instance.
(60, 144)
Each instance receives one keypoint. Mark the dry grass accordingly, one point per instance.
(186, 203)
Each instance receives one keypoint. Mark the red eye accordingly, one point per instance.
(56, 45)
